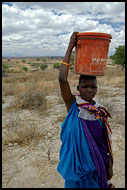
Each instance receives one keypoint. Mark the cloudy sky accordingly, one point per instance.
(44, 28)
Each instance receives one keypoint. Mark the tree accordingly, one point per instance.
(56, 65)
(119, 56)
(25, 68)
(43, 66)
(23, 60)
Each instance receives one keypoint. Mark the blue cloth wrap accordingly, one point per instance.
(76, 163)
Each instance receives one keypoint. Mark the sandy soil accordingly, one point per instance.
(34, 166)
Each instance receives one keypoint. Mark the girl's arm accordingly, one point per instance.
(68, 97)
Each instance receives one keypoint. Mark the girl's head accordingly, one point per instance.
(87, 87)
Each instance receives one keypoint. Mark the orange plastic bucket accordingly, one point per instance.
(91, 53)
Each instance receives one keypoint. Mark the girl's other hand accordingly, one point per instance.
(110, 169)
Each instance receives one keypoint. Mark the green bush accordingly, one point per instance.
(43, 66)
(25, 68)
(56, 65)
(23, 60)
(71, 68)
(5, 65)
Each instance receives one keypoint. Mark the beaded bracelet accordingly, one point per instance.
(64, 63)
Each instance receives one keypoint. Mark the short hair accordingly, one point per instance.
(86, 77)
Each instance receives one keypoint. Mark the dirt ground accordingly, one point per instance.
(34, 166)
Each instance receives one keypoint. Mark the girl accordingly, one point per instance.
(86, 158)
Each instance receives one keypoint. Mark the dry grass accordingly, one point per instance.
(30, 97)
(12, 89)
(21, 134)
(30, 100)
(30, 91)
(113, 77)
(17, 78)
(43, 81)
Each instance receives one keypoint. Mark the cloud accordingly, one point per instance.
(44, 28)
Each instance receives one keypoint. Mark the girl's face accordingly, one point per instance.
(87, 89)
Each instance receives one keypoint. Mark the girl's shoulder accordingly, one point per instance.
(97, 105)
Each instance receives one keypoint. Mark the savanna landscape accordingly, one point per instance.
(32, 113)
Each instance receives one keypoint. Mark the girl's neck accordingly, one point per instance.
(92, 102)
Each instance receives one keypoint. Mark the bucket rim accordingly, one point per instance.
(99, 34)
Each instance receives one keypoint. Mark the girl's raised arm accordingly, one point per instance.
(68, 97)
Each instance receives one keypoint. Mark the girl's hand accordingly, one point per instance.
(110, 169)
(73, 39)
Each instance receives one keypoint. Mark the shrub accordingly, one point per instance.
(25, 68)
(23, 61)
(71, 68)
(22, 134)
(56, 65)
(30, 99)
(43, 66)
(5, 65)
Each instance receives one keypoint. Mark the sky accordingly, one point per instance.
(32, 29)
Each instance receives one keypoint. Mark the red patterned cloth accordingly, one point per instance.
(103, 114)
